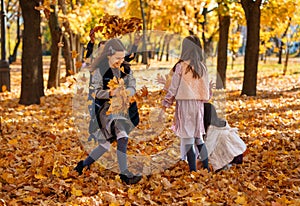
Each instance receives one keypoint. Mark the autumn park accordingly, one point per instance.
(95, 108)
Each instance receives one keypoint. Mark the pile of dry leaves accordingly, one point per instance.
(40, 145)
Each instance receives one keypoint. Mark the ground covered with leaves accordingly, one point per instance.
(40, 146)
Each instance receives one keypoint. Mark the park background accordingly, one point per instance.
(42, 50)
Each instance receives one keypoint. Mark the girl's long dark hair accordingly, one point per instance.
(110, 48)
(192, 50)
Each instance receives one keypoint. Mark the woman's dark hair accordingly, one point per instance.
(110, 48)
(191, 49)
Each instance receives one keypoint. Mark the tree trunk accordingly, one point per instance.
(53, 80)
(204, 12)
(163, 47)
(72, 47)
(298, 53)
(207, 41)
(252, 13)
(280, 51)
(286, 59)
(168, 47)
(157, 47)
(79, 48)
(66, 40)
(13, 56)
(222, 51)
(281, 43)
(144, 52)
(32, 86)
(67, 55)
(286, 45)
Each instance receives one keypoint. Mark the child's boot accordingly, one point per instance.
(126, 176)
(79, 167)
(129, 178)
(93, 156)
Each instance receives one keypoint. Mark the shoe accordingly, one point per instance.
(79, 167)
(237, 159)
(205, 164)
(130, 178)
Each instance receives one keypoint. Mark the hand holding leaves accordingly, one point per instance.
(119, 102)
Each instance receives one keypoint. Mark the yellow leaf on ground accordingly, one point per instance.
(55, 170)
(76, 192)
(28, 199)
(114, 204)
(13, 142)
(251, 186)
(65, 172)
(241, 200)
(8, 177)
(40, 177)
(127, 203)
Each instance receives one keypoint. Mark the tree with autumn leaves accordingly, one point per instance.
(39, 144)
(70, 22)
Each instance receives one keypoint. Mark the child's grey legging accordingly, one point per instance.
(100, 150)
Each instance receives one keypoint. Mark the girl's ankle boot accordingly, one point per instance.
(79, 167)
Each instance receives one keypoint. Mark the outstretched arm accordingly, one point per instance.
(172, 89)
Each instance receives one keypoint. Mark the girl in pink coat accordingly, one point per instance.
(190, 89)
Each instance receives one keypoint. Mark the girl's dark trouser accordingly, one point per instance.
(203, 155)
(191, 157)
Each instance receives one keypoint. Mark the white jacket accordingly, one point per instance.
(223, 144)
